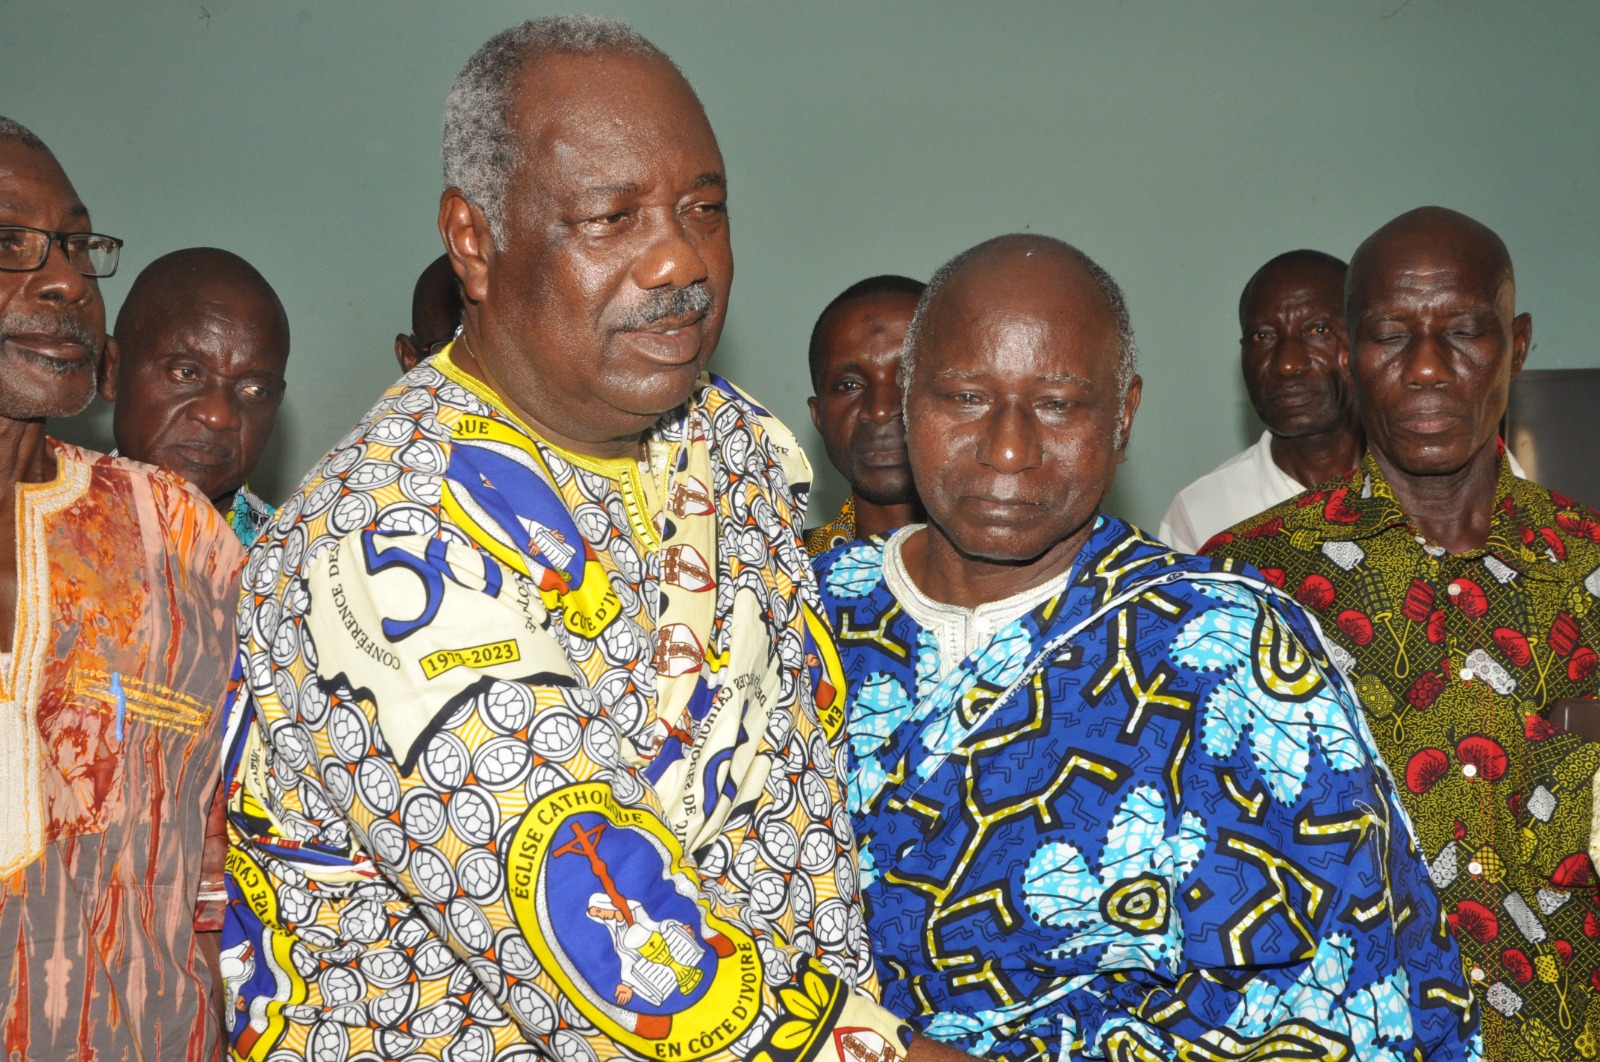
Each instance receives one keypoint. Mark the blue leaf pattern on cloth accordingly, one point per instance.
(1068, 872)
(855, 572)
(1281, 731)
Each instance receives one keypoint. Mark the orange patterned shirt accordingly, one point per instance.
(109, 711)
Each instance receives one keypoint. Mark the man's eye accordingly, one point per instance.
(848, 385)
(1320, 330)
(185, 372)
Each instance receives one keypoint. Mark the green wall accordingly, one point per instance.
(1181, 144)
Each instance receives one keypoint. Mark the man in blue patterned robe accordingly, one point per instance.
(1111, 801)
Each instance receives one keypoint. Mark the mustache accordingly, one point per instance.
(54, 326)
(691, 301)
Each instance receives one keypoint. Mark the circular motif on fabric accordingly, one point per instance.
(340, 986)
(814, 794)
(351, 513)
(502, 762)
(832, 924)
(433, 876)
(393, 1006)
(363, 921)
(404, 518)
(377, 786)
(423, 488)
(328, 1040)
(422, 455)
(818, 850)
(320, 497)
(343, 460)
(556, 734)
(385, 968)
(471, 928)
(348, 733)
(445, 761)
(543, 779)
(337, 782)
(423, 816)
(388, 843)
(769, 893)
(780, 844)
(533, 1007)
(480, 875)
(392, 430)
(507, 707)
(600, 742)
(371, 475)
(286, 645)
(1137, 905)
(473, 815)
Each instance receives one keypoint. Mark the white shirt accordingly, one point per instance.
(1245, 484)
(958, 631)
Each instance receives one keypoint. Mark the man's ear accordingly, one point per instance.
(468, 242)
(110, 356)
(1521, 340)
(406, 352)
(1130, 406)
(816, 416)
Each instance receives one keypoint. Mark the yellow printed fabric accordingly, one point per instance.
(1457, 659)
(840, 531)
(537, 754)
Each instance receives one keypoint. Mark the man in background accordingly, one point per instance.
(1291, 324)
(1112, 801)
(855, 365)
(1462, 600)
(435, 314)
(117, 589)
(197, 375)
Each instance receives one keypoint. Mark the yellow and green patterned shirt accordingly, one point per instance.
(1456, 658)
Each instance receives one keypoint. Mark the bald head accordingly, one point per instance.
(1434, 233)
(176, 283)
(1304, 267)
(197, 368)
(1019, 402)
(1434, 340)
(1041, 256)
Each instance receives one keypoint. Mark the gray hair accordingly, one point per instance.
(1128, 348)
(18, 133)
(480, 151)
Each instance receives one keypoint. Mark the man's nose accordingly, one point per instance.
(216, 408)
(1010, 442)
(883, 404)
(58, 281)
(1427, 362)
(673, 258)
(1291, 358)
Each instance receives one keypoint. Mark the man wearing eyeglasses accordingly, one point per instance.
(435, 314)
(117, 583)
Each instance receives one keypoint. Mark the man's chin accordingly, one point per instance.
(67, 398)
(1424, 461)
(885, 493)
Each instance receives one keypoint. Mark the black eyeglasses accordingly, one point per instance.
(23, 250)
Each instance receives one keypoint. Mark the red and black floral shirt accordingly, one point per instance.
(1456, 659)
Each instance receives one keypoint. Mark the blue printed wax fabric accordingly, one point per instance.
(1174, 840)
